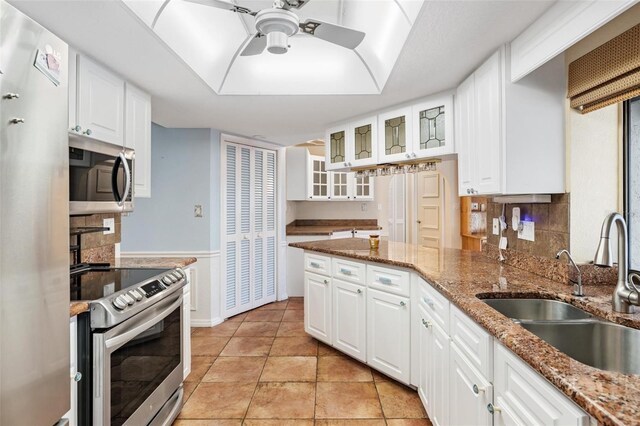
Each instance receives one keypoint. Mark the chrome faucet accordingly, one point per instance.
(625, 296)
(577, 285)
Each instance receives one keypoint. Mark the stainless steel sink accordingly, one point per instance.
(602, 345)
(537, 309)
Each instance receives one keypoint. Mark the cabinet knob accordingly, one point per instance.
(76, 128)
(477, 390)
(326, 281)
(345, 164)
(493, 409)
(87, 132)
(426, 323)
(413, 154)
(468, 191)
(11, 96)
(77, 377)
(402, 303)
(407, 155)
(359, 291)
(429, 302)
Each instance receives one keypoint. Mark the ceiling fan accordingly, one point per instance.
(274, 26)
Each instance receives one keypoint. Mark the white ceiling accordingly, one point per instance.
(450, 38)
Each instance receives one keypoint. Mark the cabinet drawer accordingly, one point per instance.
(472, 341)
(347, 270)
(387, 279)
(434, 303)
(317, 264)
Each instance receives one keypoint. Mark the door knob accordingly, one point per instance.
(418, 222)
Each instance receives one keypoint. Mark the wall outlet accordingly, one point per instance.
(109, 223)
(527, 231)
(363, 207)
(197, 210)
(515, 218)
(496, 226)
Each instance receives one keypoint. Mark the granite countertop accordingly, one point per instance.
(463, 276)
(329, 226)
(78, 307)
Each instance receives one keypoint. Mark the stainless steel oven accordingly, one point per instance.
(101, 176)
(132, 352)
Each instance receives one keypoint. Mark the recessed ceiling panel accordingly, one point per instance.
(147, 10)
(210, 40)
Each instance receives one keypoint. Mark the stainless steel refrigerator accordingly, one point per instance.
(34, 223)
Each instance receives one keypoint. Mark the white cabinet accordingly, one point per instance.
(353, 144)
(317, 306)
(348, 186)
(138, 136)
(100, 102)
(472, 391)
(510, 136)
(186, 327)
(523, 397)
(438, 377)
(422, 324)
(75, 377)
(432, 127)
(349, 318)
(388, 336)
(396, 134)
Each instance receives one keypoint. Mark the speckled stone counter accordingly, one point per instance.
(78, 307)
(464, 277)
(329, 226)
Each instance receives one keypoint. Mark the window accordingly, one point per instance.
(632, 178)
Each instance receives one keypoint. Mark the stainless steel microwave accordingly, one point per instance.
(100, 177)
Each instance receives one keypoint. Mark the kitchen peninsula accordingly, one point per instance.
(463, 278)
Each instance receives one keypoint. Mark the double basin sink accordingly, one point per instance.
(578, 334)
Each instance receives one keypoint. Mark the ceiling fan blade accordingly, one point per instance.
(255, 46)
(226, 5)
(332, 33)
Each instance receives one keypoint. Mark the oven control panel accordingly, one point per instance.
(147, 290)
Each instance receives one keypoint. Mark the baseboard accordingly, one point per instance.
(283, 297)
(206, 323)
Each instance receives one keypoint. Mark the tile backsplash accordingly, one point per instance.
(551, 226)
(96, 247)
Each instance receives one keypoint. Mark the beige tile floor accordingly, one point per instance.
(261, 369)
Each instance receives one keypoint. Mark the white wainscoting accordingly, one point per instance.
(205, 284)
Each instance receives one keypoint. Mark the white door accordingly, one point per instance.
(424, 356)
(100, 102)
(349, 319)
(388, 336)
(430, 220)
(438, 377)
(319, 182)
(488, 122)
(249, 222)
(186, 325)
(396, 205)
(339, 182)
(138, 137)
(469, 389)
(465, 132)
(317, 306)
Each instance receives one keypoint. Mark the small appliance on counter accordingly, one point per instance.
(34, 223)
(129, 344)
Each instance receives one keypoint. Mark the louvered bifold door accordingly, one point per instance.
(250, 214)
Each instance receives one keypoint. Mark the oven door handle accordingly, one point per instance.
(146, 321)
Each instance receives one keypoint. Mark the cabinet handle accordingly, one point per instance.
(326, 281)
(426, 323)
(87, 132)
(359, 291)
(16, 120)
(77, 377)
(402, 303)
(384, 280)
(345, 271)
(477, 390)
(77, 128)
(493, 409)
(11, 96)
(429, 302)
(314, 264)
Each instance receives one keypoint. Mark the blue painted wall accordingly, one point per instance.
(184, 172)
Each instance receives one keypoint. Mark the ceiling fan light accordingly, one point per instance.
(277, 42)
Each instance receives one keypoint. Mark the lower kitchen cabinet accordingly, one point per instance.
(471, 390)
(349, 319)
(317, 306)
(186, 327)
(438, 377)
(75, 377)
(523, 397)
(424, 356)
(388, 337)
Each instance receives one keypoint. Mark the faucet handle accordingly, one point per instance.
(634, 276)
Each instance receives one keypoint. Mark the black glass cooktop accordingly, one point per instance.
(94, 282)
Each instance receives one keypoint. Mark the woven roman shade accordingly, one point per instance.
(608, 74)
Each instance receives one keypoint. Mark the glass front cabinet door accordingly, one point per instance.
(336, 148)
(362, 142)
(396, 130)
(319, 182)
(433, 127)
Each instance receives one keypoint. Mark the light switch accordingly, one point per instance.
(197, 210)
(496, 226)
(363, 207)
(109, 223)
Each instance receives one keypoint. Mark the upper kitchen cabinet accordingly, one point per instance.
(307, 178)
(396, 128)
(354, 144)
(432, 128)
(100, 102)
(510, 136)
(138, 136)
